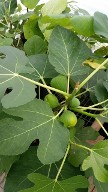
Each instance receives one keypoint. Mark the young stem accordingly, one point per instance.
(92, 74)
(62, 109)
(62, 164)
(92, 108)
(81, 146)
(44, 86)
(102, 126)
(84, 112)
(102, 102)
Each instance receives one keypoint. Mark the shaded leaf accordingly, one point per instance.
(12, 5)
(101, 24)
(29, 163)
(100, 187)
(43, 183)
(97, 160)
(35, 45)
(81, 137)
(67, 52)
(38, 122)
(1, 10)
(106, 81)
(30, 3)
(14, 62)
(42, 67)
(6, 163)
(101, 93)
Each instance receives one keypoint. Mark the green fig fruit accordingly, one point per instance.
(68, 118)
(60, 82)
(52, 100)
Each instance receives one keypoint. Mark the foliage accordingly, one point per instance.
(47, 63)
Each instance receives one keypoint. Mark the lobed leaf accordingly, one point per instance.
(82, 136)
(43, 183)
(38, 122)
(67, 52)
(29, 163)
(13, 62)
(97, 160)
(42, 67)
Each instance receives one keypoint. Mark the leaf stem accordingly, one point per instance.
(59, 113)
(84, 113)
(102, 126)
(61, 166)
(42, 79)
(102, 102)
(44, 86)
(81, 146)
(91, 108)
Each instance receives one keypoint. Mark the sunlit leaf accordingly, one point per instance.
(83, 25)
(54, 7)
(94, 63)
(101, 24)
(30, 27)
(30, 3)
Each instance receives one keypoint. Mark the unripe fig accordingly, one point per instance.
(74, 103)
(52, 100)
(68, 118)
(60, 82)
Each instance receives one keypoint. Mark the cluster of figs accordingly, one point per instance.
(68, 118)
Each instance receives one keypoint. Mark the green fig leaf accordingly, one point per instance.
(30, 3)
(67, 52)
(37, 122)
(43, 183)
(12, 63)
(35, 45)
(97, 160)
